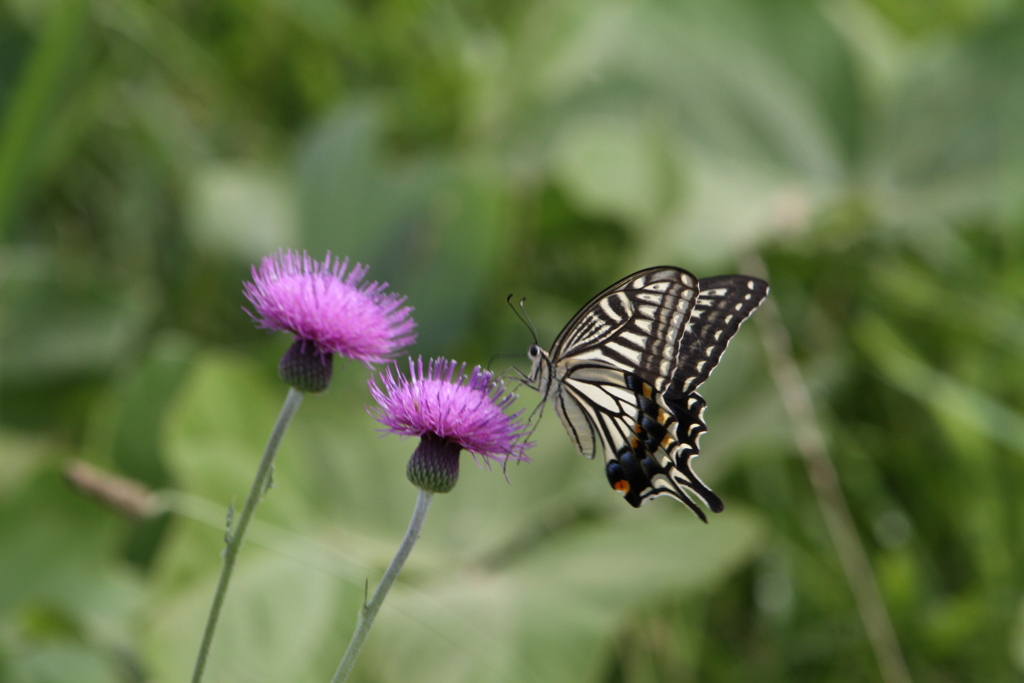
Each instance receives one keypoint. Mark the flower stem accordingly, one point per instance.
(370, 609)
(234, 536)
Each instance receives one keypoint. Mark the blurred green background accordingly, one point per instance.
(870, 151)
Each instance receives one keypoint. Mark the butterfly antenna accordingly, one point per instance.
(524, 317)
(534, 419)
(529, 323)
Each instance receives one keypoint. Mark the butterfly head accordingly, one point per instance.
(539, 359)
(539, 366)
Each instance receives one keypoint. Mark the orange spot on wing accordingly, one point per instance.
(622, 486)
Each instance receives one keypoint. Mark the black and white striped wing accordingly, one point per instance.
(627, 365)
(723, 303)
(635, 325)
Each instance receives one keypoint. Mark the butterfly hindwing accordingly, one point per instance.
(592, 399)
(657, 461)
(624, 370)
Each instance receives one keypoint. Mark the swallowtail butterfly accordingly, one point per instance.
(623, 374)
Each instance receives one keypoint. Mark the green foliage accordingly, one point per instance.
(872, 152)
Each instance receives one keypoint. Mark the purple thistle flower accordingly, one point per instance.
(326, 305)
(449, 412)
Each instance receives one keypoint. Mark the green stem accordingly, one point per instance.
(369, 611)
(234, 536)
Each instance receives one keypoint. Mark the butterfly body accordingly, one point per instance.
(623, 374)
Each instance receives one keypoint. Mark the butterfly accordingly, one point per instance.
(623, 374)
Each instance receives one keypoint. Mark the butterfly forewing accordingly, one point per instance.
(723, 303)
(623, 373)
(635, 324)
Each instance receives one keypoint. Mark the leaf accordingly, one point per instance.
(549, 614)
(612, 165)
(948, 398)
(431, 225)
(54, 332)
(60, 578)
(46, 515)
(276, 618)
(63, 663)
(216, 431)
(240, 211)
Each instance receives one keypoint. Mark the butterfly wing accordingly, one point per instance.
(625, 369)
(723, 303)
(635, 324)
